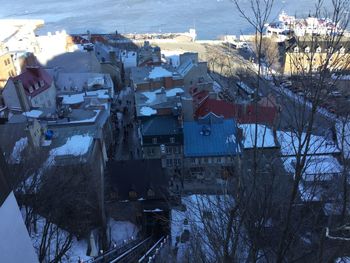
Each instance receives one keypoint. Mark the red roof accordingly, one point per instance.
(34, 78)
(242, 113)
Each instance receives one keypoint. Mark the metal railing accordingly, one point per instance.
(114, 252)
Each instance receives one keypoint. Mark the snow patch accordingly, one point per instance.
(33, 113)
(76, 145)
(159, 72)
(20, 145)
(147, 111)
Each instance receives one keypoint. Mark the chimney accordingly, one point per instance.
(187, 108)
(161, 96)
(23, 100)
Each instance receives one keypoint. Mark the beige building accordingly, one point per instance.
(7, 68)
(34, 88)
(307, 56)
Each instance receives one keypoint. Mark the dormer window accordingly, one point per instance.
(41, 83)
(318, 49)
(296, 50)
(36, 85)
(330, 50)
(307, 50)
(342, 50)
(31, 89)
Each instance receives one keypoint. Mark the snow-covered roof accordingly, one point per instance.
(79, 97)
(147, 111)
(265, 138)
(20, 145)
(76, 145)
(33, 113)
(318, 145)
(317, 168)
(159, 72)
(152, 95)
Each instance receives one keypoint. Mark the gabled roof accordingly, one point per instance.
(34, 76)
(161, 125)
(210, 139)
(243, 113)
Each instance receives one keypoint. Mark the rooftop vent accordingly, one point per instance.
(206, 131)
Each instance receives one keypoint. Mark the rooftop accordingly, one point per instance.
(212, 136)
(148, 102)
(161, 125)
(35, 80)
(141, 75)
(265, 138)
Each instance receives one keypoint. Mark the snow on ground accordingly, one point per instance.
(151, 95)
(147, 111)
(265, 136)
(122, 231)
(173, 57)
(159, 72)
(78, 248)
(318, 145)
(33, 113)
(217, 87)
(20, 145)
(75, 145)
(310, 193)
(200, 208)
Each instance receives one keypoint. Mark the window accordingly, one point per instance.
(169, 162)
(177, 162)
(176, 150)
(132, 194)
(154, 140)
(5, 62)
(172, 140)
(218, 160)
(31, 89)
(168, 150)
(150, 193)
(193, 160)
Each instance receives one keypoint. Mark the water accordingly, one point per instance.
(211, 18)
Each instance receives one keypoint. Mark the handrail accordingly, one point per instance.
(130, 250)
(151, 249)
(119, 249)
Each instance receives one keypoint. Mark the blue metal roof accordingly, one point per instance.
(212, 139)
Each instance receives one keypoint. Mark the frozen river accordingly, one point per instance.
(211, 18)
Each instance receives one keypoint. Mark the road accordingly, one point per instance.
(128, 144)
